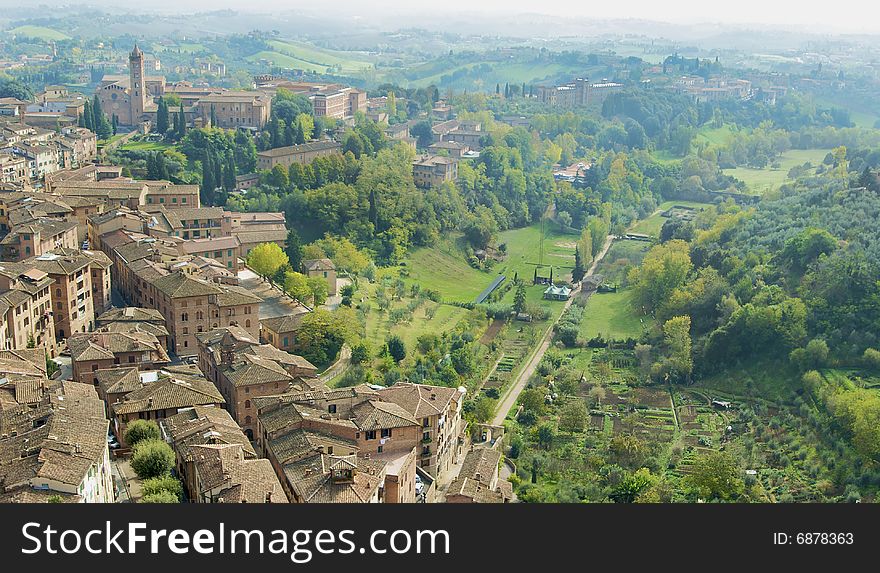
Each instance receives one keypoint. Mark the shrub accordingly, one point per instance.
(152, 458)
(140, 430)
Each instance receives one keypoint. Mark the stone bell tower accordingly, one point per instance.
(138, 84)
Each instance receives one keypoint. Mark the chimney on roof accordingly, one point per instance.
(433, 396)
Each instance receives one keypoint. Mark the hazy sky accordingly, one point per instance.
(807, 15)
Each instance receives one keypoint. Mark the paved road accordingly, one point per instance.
(337, 367)
(520, 383)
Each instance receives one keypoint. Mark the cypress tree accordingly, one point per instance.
(577, 274)
(300, 134)
(162, 116)
(208, 182)
(229, 173)
(181, 123)
(115, 123)
(151, 166)
(290, 134)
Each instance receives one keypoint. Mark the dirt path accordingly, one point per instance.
(509, 399)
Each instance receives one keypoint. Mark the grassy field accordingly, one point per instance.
(379, 326)
(445, 270)
(622, 256)
(39, 32)
(183, 47)
(714, 136)
(611, 315)
(347, 62)
(523, 250)
(514, 73)
(653, 224)
(760, 181)
(285, 61)
(145, 146)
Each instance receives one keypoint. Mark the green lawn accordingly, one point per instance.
(523, 251)
(379, 327)
(446, 271)
(760, 181)
(611, 315)
(39, 32)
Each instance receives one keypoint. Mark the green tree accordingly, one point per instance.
(573, 417)
(294, 249)
(716, 475)
(322, 334)
(484, 409)
(166, 483)
(396, 348)
(361, 352)
(677, 336)
(664, 269)
(578, 272)
(152, 458)
(162, 116)
(141, 430)
(545, 435)
(519, 299)
(297, 285)
(160, 497)
(265, 259)
(872, 358)
(319, 289)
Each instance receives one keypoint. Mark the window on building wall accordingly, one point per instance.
(247, 403)
(386, 432)
(247, 323)
(370, 434)
(331, 408)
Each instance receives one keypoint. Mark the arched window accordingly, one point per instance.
(247, 403)
(247, 323)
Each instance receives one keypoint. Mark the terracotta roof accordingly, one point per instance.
(131, 314)
(235, 295)
(169, 392)
(318, 265)
(180, 285)
(312, 480)
(375, 415)
(239, 479)
(287, 323)
(301, 148)
(118, 380)
(420, 400)
(58, 440)
(202, 425)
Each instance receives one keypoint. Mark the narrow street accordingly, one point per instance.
(509, 399)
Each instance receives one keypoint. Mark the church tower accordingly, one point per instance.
(138, 84)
